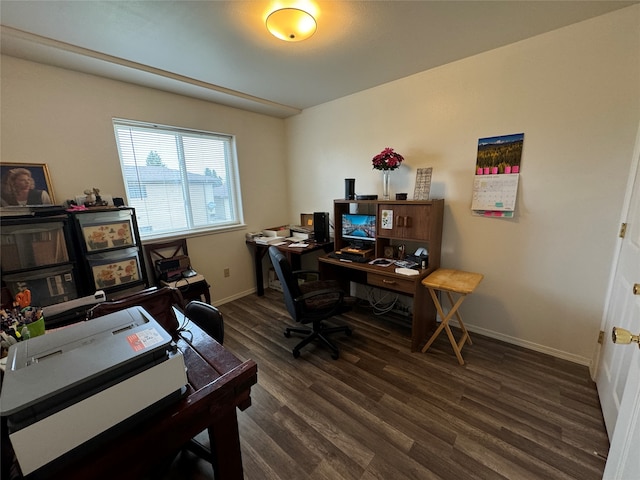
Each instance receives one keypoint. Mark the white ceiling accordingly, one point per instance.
(220, 50)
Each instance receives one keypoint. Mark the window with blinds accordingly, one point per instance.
(179, 181)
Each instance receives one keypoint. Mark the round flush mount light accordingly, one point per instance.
(291, 24)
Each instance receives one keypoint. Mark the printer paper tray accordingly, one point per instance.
(72, 395)
(85, 421)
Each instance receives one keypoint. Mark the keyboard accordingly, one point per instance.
(349, 257)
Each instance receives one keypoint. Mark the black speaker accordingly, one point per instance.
(349, 188)
(321, 226)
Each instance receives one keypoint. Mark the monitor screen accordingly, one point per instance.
(359, 227)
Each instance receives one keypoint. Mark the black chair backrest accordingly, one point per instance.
(289, 283)
(206, 317)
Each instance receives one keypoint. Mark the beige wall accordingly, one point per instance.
(63, 118)
(574, 93)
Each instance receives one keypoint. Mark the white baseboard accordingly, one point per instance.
(526, 344)
(222, 301)
(474, 329)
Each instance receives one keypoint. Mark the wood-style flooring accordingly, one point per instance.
(382, 412)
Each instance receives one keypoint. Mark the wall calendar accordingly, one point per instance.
(495, 192)
(495, 185)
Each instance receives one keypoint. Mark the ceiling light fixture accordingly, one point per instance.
(291, 24)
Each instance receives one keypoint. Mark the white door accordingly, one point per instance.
(618, 373)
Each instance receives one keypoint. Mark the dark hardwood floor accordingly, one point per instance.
(382, 412)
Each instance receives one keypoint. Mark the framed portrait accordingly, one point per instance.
(26, 184)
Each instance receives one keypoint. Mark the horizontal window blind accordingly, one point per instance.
(178, 180)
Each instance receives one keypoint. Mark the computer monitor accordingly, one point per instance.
(358, 227)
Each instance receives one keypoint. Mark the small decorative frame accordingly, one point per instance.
(107, 235)
(386, 222)
(39, 172)
(389, 251)
(306, 220)
(423, 184)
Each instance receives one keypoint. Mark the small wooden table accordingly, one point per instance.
(193, 288)
(451, 281)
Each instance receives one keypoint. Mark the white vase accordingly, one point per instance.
(386, 175)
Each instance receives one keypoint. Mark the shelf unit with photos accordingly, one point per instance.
(61, 256)
(109, 250)
(37, 254)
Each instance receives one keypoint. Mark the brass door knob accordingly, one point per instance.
(620, 335)
(636, 288)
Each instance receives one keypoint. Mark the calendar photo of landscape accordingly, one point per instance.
(499, 155)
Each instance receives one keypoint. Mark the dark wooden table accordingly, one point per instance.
(218, 384)
(293, 254)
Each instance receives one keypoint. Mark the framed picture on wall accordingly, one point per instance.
(25, 184)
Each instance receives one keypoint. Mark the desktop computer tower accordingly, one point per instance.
(321, 226)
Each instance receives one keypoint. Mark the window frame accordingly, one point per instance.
(232, 178)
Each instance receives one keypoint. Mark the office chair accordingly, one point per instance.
(207, 317)
(310, 302)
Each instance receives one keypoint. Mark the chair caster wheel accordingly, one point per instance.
(349, 332)
(335, 355)
(287, 334)
(296, 353)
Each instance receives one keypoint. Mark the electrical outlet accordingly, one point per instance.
(227, 272)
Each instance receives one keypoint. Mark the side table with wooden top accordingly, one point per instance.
(451, 282)
(192, 288)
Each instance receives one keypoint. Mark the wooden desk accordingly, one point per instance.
(424, 312)
(293, 256)
(218, 384)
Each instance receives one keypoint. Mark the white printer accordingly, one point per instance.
(69, 386)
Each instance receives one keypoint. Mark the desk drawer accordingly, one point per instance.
(392, 283)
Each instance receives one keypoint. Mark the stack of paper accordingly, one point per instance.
(298, 237)
(269, 240)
